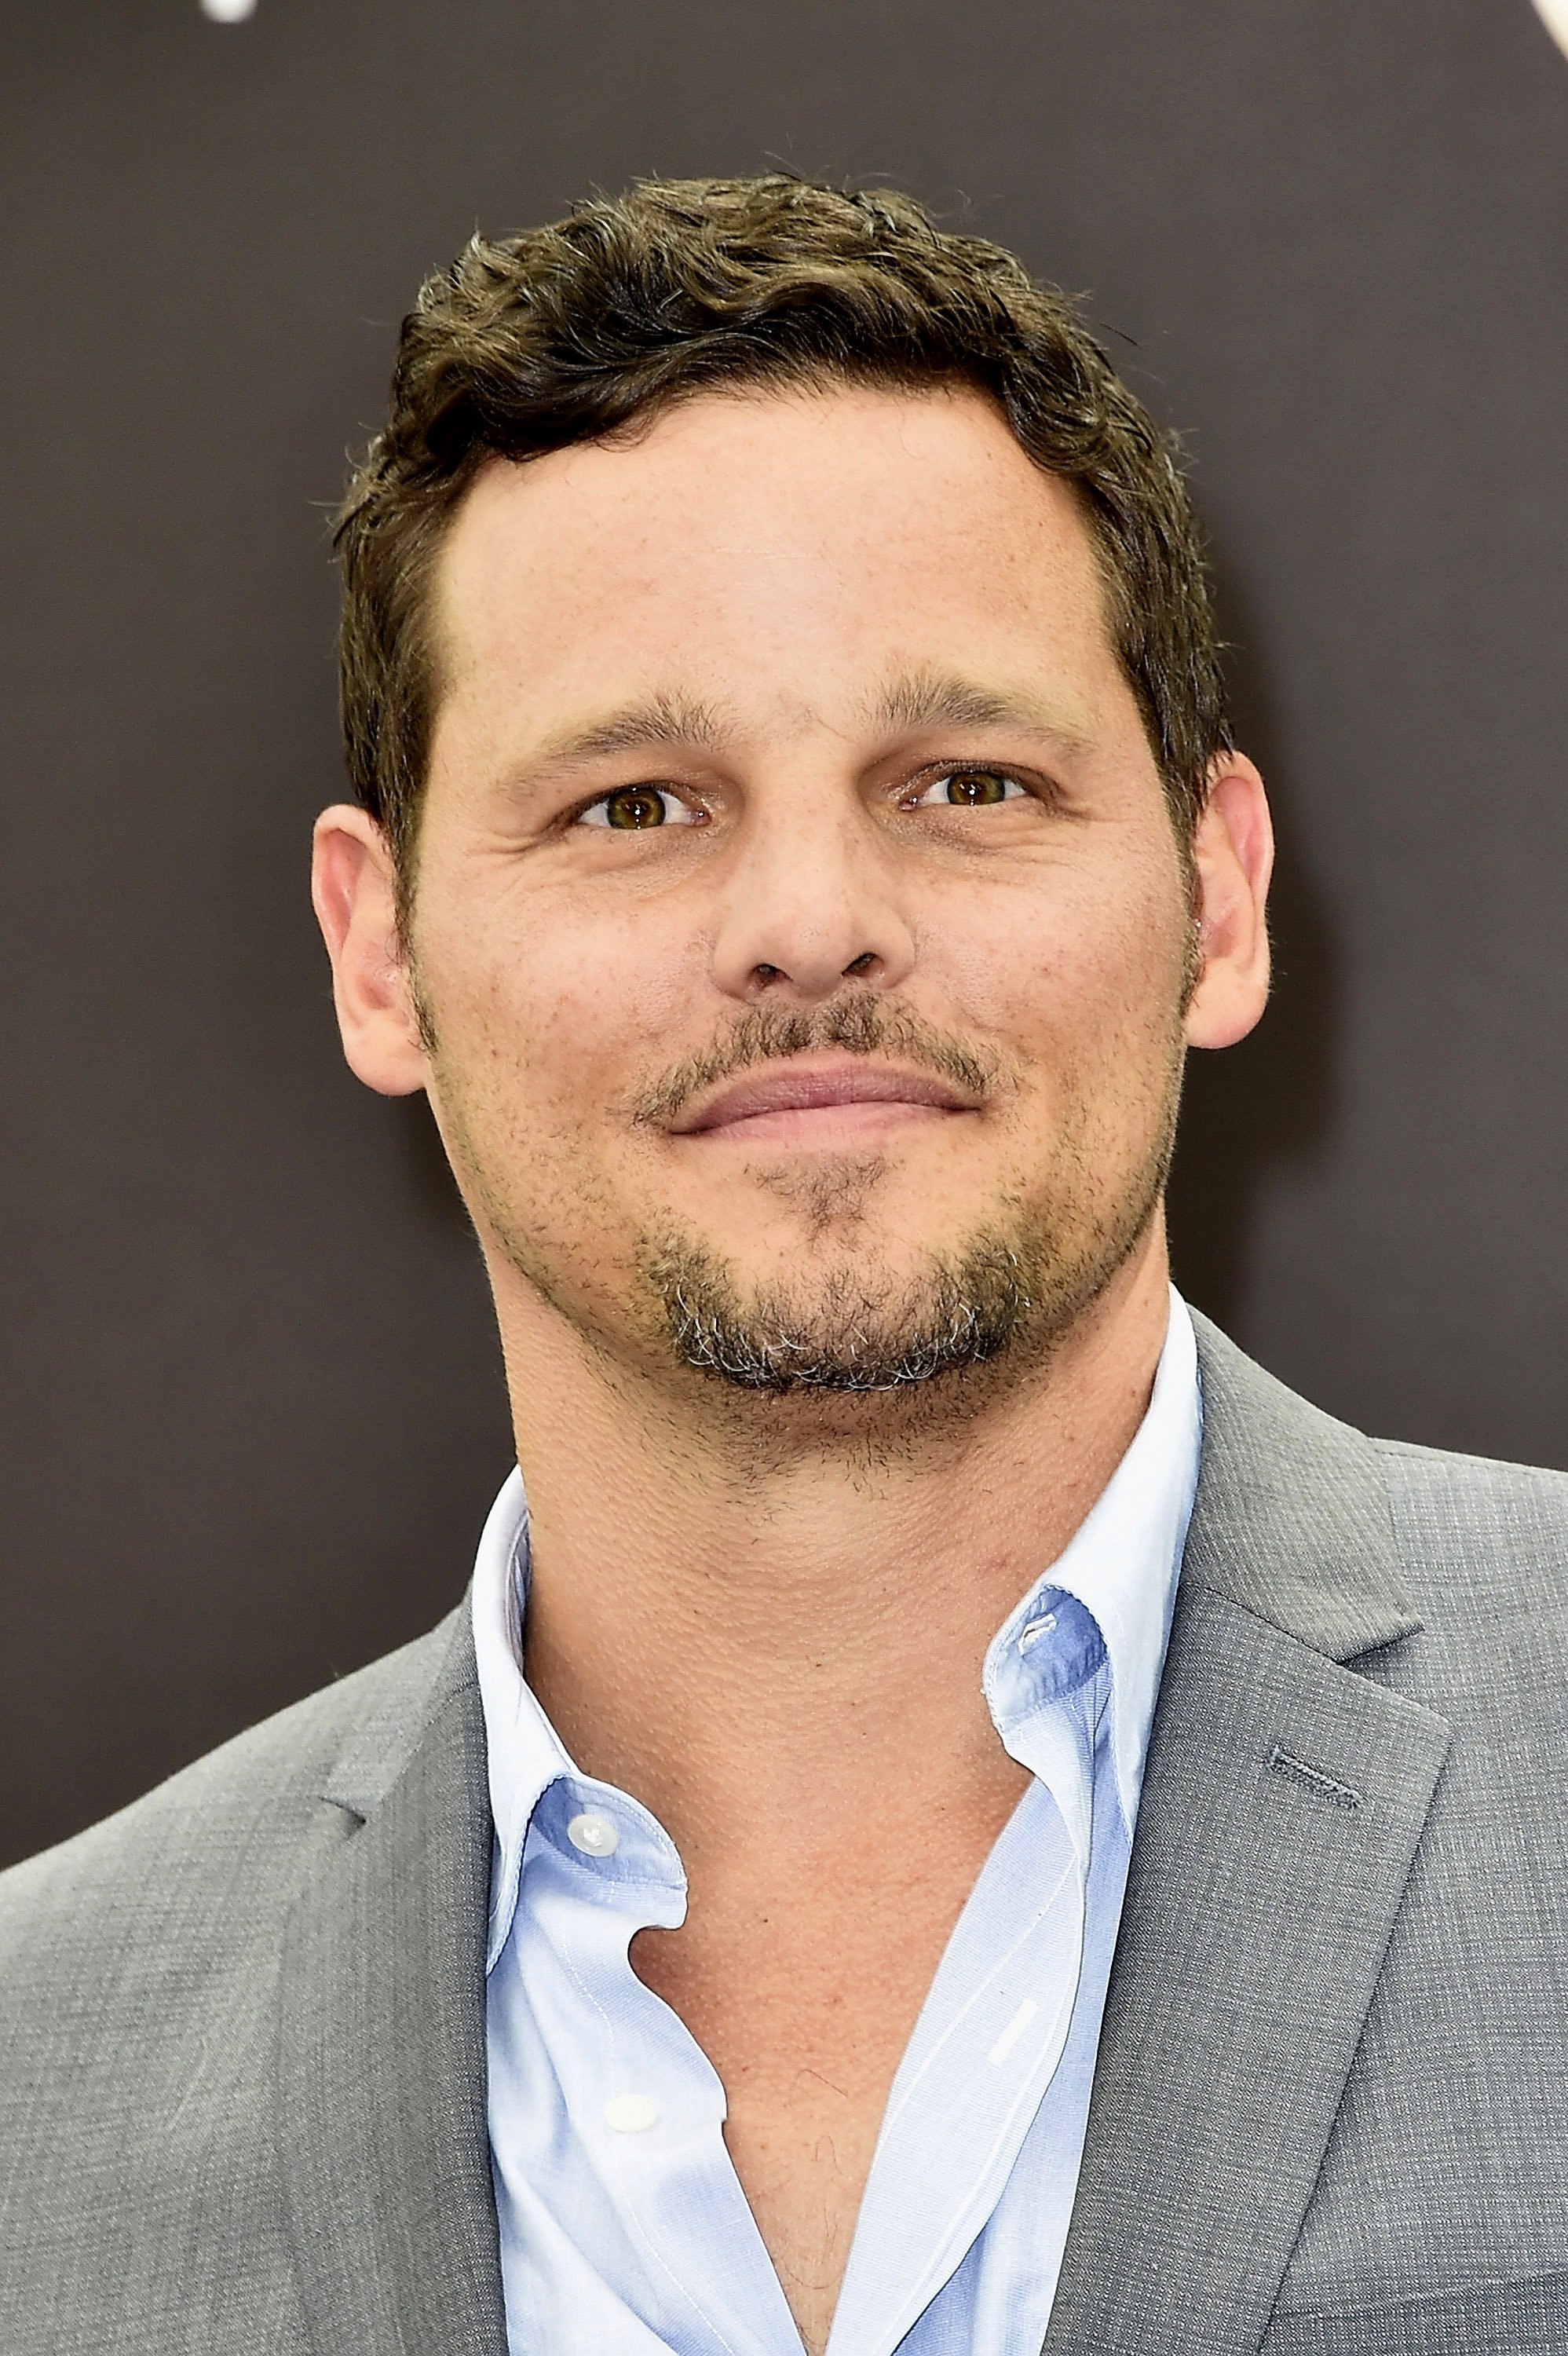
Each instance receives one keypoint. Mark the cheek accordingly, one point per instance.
(549, 1017)
(1090, 971)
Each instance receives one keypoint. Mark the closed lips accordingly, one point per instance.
(819, 1090)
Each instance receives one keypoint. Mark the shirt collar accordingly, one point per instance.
(523, 1751)
(1120, 1566)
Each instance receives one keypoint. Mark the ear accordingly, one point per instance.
(354, 889)
(1233, 852)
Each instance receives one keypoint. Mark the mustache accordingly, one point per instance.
(861, 1025)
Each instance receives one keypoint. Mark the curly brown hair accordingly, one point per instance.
(594, 323)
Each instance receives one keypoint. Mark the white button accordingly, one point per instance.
(596, 1836)
(631, 2113)
(1035, 1629)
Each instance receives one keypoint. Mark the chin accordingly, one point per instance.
(878, 1324)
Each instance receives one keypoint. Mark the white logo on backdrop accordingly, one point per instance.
(1555, 16)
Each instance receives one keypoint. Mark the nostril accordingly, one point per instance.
(861, 966)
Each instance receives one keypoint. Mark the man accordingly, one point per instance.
(797, 840)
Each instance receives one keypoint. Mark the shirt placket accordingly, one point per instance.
(646, 2105)
(996, 2018)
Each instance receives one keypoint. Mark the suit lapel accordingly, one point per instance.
(382, 2077)
(1282, 1803)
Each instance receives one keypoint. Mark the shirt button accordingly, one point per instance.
(1031, 1634)
(594, 1835)
(631, 2114)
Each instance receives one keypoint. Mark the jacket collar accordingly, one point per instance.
(1284, 1799)
(381, 2127)
(1291, 1518)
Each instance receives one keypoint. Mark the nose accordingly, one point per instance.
(811, 902)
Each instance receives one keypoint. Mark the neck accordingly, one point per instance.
(728, 1614)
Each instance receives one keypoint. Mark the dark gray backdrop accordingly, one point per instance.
(252, 1410)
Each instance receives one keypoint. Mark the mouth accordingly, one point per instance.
(823, 1102)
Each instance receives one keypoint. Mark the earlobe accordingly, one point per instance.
(1233, 852)
(353, 891)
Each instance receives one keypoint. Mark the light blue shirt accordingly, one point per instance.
(624, 2226)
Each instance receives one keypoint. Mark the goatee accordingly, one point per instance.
(853, 1336)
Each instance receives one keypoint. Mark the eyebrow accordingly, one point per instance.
(672, 719)
(911, 702)
(915, 701)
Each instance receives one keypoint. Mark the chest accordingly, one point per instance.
(805, 2035)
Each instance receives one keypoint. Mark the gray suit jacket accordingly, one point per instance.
(241, 2025)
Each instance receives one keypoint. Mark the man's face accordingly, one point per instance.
(799, 930)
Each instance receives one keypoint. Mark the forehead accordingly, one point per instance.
(776, 551)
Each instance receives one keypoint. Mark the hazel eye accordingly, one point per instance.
(631, 810)
(968, 789)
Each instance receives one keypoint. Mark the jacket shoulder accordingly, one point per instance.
(1455, 1498)
(228, 1824)
(1483, 1546)
(140, 1970)
(1348, 1542)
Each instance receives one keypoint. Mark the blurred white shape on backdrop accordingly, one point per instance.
(1555, 16)
(227, 12)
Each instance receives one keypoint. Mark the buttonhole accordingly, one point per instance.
(1313, 1778)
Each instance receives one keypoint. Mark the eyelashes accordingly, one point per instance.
(635, 810)
(639, 808)
(970, 786)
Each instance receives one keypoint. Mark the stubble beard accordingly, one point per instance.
(1003, 1300)
(939, 1338)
